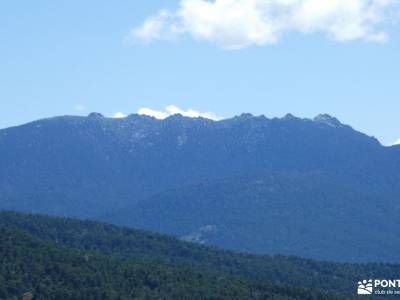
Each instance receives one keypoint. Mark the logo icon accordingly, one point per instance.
(365, 287)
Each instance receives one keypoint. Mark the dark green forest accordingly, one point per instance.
(35, 269)
(60, 258)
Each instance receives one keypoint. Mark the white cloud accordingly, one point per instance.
(396, 143)
(152, 113)
(173, 110)
(234, 24)
(159, 27)
(119, 115)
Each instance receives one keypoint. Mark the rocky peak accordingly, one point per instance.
(95, 115)
(328, 120)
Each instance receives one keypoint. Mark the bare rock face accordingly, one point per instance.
(27, 296)
(201, 235)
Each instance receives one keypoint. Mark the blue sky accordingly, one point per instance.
(75, 57)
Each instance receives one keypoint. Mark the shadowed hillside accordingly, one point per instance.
(314, 188)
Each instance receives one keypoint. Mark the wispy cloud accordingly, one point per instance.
(173, 110)
(159, 27)
(234, 24)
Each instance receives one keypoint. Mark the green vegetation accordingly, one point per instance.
(49, 271)
(114, 250)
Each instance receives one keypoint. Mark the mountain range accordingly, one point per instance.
(312, 188)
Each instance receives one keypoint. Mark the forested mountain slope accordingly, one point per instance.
(47, 271)
(312, 214)
(122, 243)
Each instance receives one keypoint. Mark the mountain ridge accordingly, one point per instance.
(92, 166)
